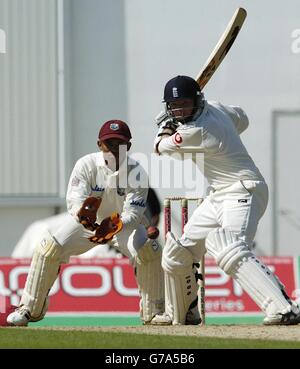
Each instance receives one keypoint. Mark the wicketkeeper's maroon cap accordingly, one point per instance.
(114, 129)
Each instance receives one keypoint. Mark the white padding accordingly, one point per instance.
(226, 248)
(180, 282)
(43, 272)
(235, 258)
(150, 279)
(260, 283)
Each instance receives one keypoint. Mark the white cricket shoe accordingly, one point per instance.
(160, 319)
(192, 318)
(290, 318)
(20, 317)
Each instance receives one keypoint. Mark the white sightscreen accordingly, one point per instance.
(29, 144)
(286, 196)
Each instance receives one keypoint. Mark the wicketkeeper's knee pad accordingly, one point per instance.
(150, 279)
(180, 281)
(236, 259)
(42, 274)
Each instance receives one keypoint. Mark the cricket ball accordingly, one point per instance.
(152, 232)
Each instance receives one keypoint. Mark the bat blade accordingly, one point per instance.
(223, 46)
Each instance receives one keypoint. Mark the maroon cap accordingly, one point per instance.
(114, 129)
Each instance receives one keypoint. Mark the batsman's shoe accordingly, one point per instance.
(160, 319)
(20, 317)
(290, 318)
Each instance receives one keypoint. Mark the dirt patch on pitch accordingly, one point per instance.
(288, 333)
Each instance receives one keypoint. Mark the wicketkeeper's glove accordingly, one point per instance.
(87, 214)
(107, 229)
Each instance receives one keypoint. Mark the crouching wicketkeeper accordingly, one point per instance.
(100, 212)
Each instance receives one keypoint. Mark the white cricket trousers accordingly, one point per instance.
(238, 208)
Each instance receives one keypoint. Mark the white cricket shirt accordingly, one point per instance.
(215, 133)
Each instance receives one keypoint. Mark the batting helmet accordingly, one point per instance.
(181, 87)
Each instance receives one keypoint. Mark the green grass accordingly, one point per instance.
(102, 321)
(87, 321)
(38, 338)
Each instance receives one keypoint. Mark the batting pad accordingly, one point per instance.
(42, 274)
(235, 258)
(260, 283)
(226, 248)
(150, 279)
(180, 282)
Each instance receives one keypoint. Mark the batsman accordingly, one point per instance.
(103, 208)
(225, 223)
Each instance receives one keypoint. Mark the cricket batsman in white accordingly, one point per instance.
(104, 208)
(225, 223)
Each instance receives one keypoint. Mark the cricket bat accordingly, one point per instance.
(223, 46)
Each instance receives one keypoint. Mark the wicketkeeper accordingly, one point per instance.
(104, 207)
(226, 221)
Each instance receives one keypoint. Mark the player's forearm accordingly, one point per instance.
(73, 209)
(74, 203)
(158, 141)
(131, 220)
(78, 190)
(134, 207)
